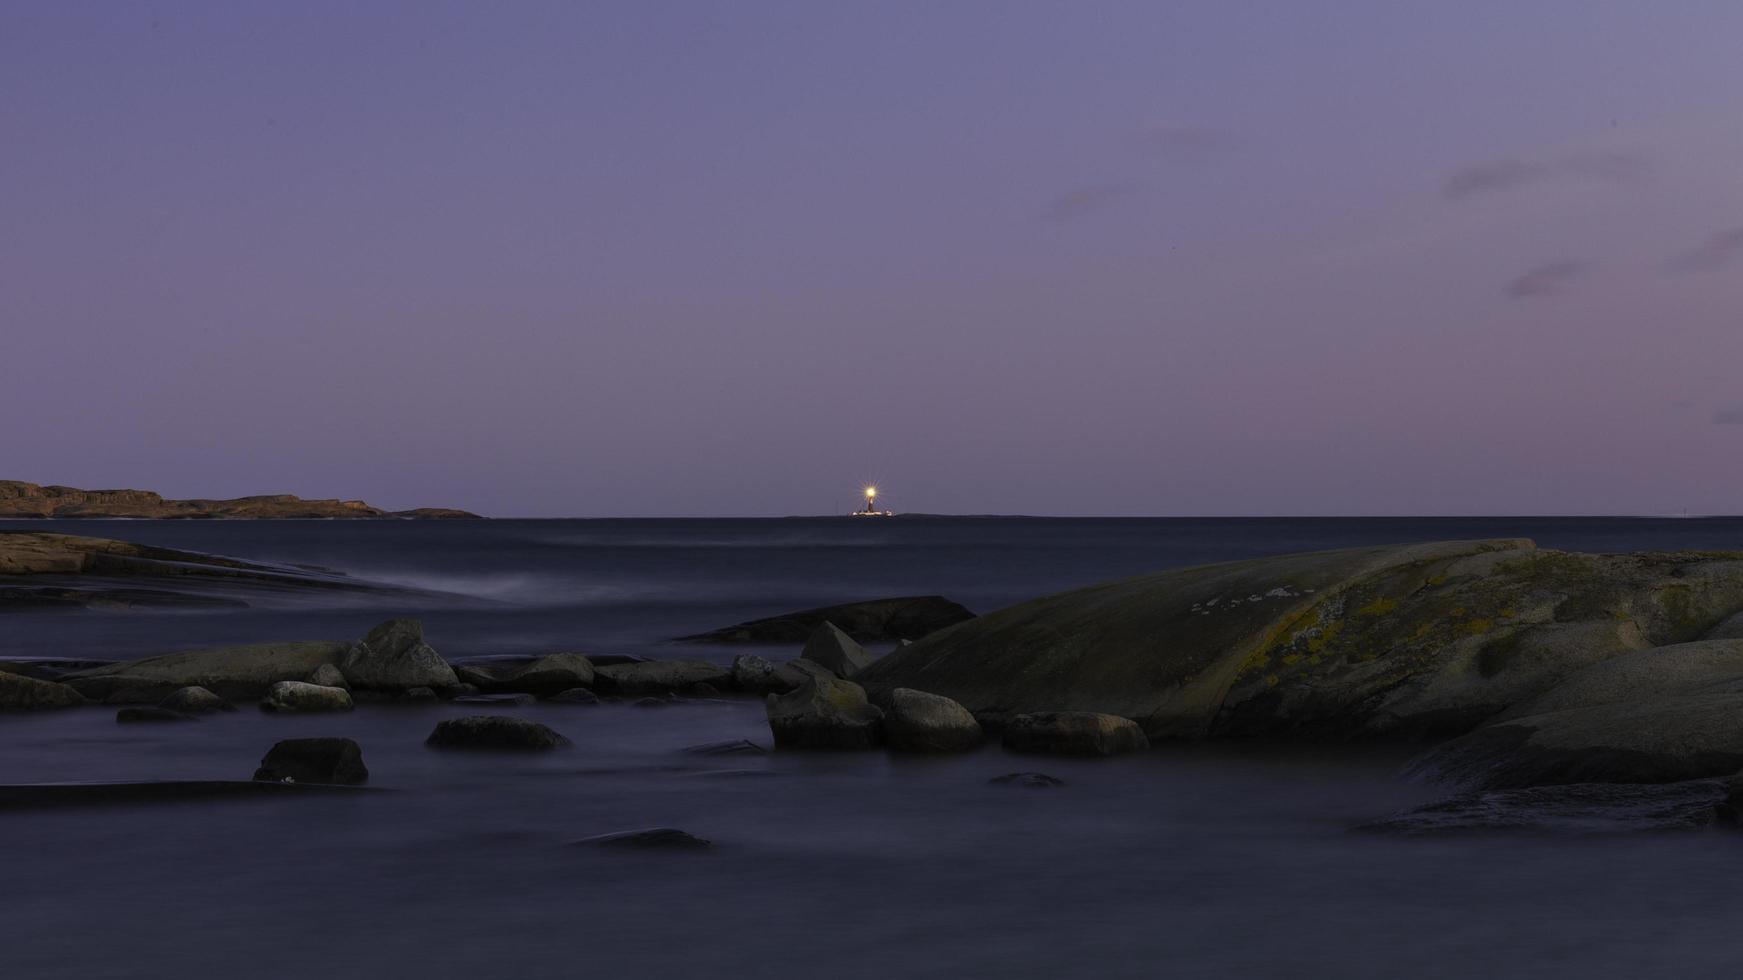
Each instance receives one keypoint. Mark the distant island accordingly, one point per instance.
(30, 500)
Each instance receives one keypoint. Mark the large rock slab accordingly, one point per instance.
(915, 721)
(827, 713)
(1409, 640)
(1073, 733)
(1705, 666)
(394, 657)
(836, 651)
(21, 693)
(236, 673)
(879, 620)
(659, 676)
(336, 761)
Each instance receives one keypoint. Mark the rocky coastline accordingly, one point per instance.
(20, 500)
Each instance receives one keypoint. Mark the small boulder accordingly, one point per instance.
(297, 696)
(138, 714)
(1073, 733)
(419, 694)
(496, 732)
(659, 676)
(915, 721)
(329, 675)
(653, 838)
(195, 701)
(314, 760)
(574, 695)
(836, 651)
(498, 700)
(827, 713)
(753, 674)
(550, 675)
(1037, 780)
(394, 656)
(21, 693)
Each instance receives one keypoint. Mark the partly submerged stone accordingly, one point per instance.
(837, 652)
(1033, 780)
(195, 701)
(1073, 733)
(336, 761)
(827, 713)
(298, 696)
(736, 746)
(394, 656)
(902, 618)
(494, 732)
(549, 675)
(653, 838)
(915, 721)
(21, 693)
(659, 676)
(236, 672)
(1582, 808)
(575, 695)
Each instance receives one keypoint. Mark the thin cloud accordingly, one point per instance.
(1716, 253)
(1617, 169)
(1546, 279)
(1728, 415)
(1080, 201)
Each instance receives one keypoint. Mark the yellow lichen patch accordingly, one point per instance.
(1379, 607)
(1474, 627)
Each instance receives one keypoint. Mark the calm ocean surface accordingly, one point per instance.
(1188, 861)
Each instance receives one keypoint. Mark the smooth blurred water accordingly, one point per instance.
(1201, 861)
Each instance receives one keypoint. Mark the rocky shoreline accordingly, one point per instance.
(1530, 676)
(20, 500)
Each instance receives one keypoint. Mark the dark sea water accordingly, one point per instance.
(1188, 861)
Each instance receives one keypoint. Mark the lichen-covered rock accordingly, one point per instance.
(902, 618)
(329, 675)
(915, 721)
(337, 761)
(1073, 733)
(298, 696)
(394, 656)
(195, 701)
(659, 676)
(836, 651)
(21, 693)
(827, 713)
(494, 732)
(235, 673)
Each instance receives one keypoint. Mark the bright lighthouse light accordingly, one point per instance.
(870, 492)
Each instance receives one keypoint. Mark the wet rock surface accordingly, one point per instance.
(21, 693)
(337, 761)
(394, 656)
(292, 697)
(1585, 808)
(652, 838)
(827, 713)
(1073, 733)
(494, 733)
(915, 721)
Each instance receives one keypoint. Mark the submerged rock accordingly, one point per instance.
(1580, 808)
(138, 714)
(659, 676)
(195, 701)
(827, 713)
(915, 721)
(314, 760)
(836, 652)
(1037, 780)
(653, 838)
(297, 696)
(499, 700)
(1073, 733)
(575, 695)
(904, 618)
(394, 656)
(21, 693)
(737, 746)
(495, 732)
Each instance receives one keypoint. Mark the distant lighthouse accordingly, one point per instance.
(871, 505)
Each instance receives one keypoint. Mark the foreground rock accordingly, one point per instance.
(918, 722)
(195, 701)
(235, 673)
(19, 499)
(653, 838)
(494, 732)
(314, 760)
(1415, 640)
(827, 713)
(394, 657)
(660, 676)
(21, 693)
(834, 650)
(1073, 733)
(1586, 808)
(879, 620)
(292, 697)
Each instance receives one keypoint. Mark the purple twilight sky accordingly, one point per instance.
(597, 259)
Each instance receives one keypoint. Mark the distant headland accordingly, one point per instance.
(30, 500)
